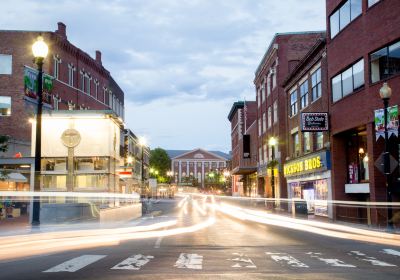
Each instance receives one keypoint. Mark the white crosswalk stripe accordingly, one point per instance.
(283, 258)
(391, 252)
(242, 260)
(75, 264)
(331, 262)
(191, 261)
(134, 262)
(363, 257)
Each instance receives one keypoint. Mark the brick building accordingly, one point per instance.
(363, 48)
(243, 116)
(307, 165)
(282, 56)
(194, 167)
(77, 81)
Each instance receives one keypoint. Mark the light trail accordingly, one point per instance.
(35, 195)
(48, 246)
(330, 230)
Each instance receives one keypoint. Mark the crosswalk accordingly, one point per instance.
(240, 260)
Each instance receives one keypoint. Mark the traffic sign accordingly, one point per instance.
(379, 163)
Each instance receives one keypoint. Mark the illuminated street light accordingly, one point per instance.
(39, 50)
(129, 160)
(385, 93)
(272, 142)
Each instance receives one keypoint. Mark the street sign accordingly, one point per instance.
(379, 163)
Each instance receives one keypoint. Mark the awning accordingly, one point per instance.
(15, 177)
(243, 170)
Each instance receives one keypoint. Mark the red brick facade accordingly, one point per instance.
(65, 95)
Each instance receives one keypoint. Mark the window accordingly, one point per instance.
(5, 64)
(316, 84)
(372, 2)
(259, 127)
(96, 88)
(348, 81)
(56, 69)
(88, 79)
(110, 99)
(320, 140)
(275, 111)
(56, 101)
(273, 77)
(263, 92)
(104, 94)
(306, 142)
(264, 124)
(258, 98)
(268, 85)
(260, 156)
(82, 74)
(344, 15)
(296, 144)
(304, 94)
(265, 152)
(293, 103)
(385, 62)
(71, 74)
(269, 116)
(5, 105)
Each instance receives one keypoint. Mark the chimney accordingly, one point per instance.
(62, 30)
(98, 57)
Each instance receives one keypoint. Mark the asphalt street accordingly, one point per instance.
(227, 249)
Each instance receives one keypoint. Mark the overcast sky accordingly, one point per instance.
(181, 63)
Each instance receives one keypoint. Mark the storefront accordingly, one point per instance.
(309, 179)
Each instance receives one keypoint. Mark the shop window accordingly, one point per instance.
(54, 164)
(385, 62)
(5, 64)
(92, 164)
(306, 142)
(357, 158)
(319, 140)
(55, 182)
(5, 106)
(93, 181)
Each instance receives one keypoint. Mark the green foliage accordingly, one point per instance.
(160, 161)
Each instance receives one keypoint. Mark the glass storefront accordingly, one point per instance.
(315, 193)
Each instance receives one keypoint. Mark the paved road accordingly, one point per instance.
(229, 249)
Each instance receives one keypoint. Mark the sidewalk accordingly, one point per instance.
(14, 224)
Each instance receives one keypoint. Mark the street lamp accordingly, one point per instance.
(385, 93)
(39, 50)
(272, 143)
(142, 143)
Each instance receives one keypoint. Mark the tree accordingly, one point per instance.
(160, 161)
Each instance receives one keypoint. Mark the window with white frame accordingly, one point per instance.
(263, 92)
(264, 122)
(348, 81)
(259, 126)
(88, 83)
(5, 64)
(304, 94)
(273, 77)
(56, 66)
(96, 88)
(306, 142)
(5, 105)
(265, 152)
(104, 94)
(316, 84)
(82, 80)
(258, 98)
(110, 99)
(319, 140)
(293, 103)
(275, 111)
(296, 144)
(344, 15)
(71, 74)
(269, 116)
(260, 155)
(268, 85)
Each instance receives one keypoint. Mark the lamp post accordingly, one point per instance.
(385, 93)
(142, 143)
(272, 142)
(39, 50)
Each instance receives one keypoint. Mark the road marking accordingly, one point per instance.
(363, 257)
(331, 262)
(76, 263)
(134, 262)
(191, 261)
(283, 258)
(242, 260)
(158, 241)
(391, 252)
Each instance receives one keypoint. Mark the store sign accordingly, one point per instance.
(392, 122)
(314, 122)
(31, 85)
(316, 162)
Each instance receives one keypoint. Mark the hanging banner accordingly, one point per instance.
(392, 122)
(31, 85)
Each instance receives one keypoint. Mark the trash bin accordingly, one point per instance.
(300, 208)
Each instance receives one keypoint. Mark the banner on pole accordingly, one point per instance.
(392, 122)
(31, 84)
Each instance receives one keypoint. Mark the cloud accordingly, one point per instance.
(201, 54)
